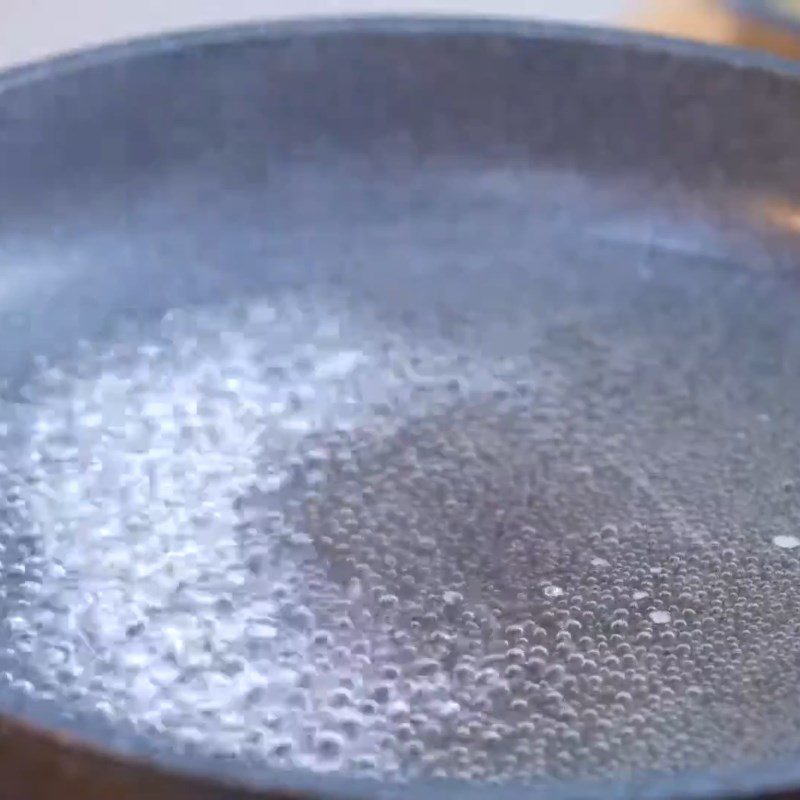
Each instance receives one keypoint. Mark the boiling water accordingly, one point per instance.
(300, 531)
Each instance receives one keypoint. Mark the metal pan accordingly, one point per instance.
(423, 162)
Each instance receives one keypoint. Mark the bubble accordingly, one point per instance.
(330, 745)
(452, 598)
(786, 541)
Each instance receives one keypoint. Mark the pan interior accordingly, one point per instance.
(422, 466)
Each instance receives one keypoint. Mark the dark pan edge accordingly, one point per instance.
(38, 764)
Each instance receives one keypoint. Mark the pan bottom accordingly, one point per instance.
(321, 530)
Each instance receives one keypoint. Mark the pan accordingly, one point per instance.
(400, 408)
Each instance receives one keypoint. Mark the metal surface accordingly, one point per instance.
(186, 168)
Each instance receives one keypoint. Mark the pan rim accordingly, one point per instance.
(43, 724)
(390, 26)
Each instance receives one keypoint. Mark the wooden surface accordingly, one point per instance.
(714, 22)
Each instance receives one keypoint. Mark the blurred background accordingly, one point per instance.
(33, 29)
